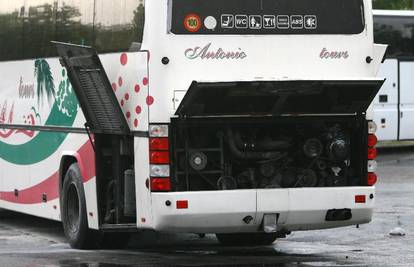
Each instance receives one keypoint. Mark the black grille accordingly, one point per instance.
(93, 89)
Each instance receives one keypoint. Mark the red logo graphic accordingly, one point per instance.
(192, 23)
(30, 119)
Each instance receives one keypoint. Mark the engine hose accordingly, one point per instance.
(247, 155)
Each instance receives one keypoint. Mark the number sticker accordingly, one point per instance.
(192, 23)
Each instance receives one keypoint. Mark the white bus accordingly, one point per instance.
(394, 105)
(247, 119)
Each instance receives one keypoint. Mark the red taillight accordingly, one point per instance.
(159, 144)
(372, 153)
(159, 152)
(160, 185)
(182, 204)
(360, 199)
(372, 179)
(160, 157)
(372, 140)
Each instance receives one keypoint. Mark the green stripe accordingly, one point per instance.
(43, 145)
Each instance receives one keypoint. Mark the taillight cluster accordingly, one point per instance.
(159, 151)
(372, 154)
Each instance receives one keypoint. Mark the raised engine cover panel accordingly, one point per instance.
(278, 98)
(93, 89)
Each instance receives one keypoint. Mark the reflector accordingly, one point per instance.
(182, 204)
(360, 199)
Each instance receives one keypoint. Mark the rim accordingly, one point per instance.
(73, 211)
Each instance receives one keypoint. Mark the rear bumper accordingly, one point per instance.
(223, 211)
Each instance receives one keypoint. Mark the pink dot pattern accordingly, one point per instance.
(124, 59)
(138, 110)
(150, 100)
(145, 81)
(128, 96)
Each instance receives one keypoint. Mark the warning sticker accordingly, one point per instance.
(192, 23)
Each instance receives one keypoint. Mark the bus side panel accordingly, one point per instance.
(38, 193)
(386, 102)
(85, 157)
(406, 100)
(36, 96)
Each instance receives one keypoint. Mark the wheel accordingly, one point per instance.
(246, 239)
(73, 209)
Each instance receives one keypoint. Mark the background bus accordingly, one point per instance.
(394, 105)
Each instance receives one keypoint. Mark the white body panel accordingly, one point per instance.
(406, 100)
(299, 209)
(394, 104)
(386, 102)
(278, 57)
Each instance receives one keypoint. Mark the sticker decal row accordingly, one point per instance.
(257, 22)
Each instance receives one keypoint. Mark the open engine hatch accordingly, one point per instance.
(274, 98)
(93, 89)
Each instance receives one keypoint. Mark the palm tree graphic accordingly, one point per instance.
(45, 83)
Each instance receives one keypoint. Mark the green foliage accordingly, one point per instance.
(120, 37)
(66, 99)
(138, 22)
(44, 78)
(394, 4)
(27, 31)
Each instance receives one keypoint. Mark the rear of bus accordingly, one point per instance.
(258, 115)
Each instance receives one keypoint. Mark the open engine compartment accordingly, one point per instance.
(282, 152)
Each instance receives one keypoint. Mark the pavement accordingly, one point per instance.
(27, 241)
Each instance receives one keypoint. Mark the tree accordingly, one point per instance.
(138, 23)
(393, 4)
(45, 84)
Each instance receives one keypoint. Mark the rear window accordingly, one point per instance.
(267, 17)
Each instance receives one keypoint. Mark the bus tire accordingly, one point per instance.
(246, 239)
(73, 210)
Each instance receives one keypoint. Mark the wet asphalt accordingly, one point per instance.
(27, 241)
